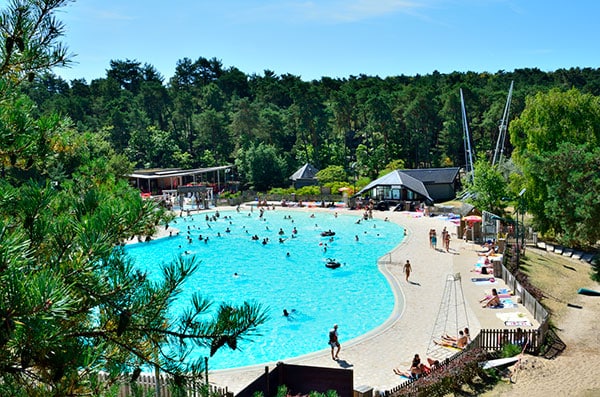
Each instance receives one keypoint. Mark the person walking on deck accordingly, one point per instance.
(407, 269)
(334, 342)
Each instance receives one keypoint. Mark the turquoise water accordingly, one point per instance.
(356, 295)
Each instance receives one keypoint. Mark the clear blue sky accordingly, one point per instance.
(334, 38)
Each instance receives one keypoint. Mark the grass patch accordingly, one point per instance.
(561, 275)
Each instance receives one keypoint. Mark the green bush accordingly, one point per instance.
(362, 182)
(510, 350)
(309, 191)
(336, 186)
(282, 191)
(331, 174)
(228, 195)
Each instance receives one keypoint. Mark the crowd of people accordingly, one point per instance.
(445, 239)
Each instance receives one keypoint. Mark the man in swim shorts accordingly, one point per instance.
(333, 342)
(407, 269)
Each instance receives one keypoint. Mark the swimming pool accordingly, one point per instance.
(234, 269)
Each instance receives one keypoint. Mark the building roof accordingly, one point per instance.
(157, 173)
(431, 176)
(307, 171)
(398, 178)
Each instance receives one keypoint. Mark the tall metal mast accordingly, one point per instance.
(467, 139)
(503, 127)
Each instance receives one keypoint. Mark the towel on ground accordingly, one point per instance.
(512, 316)
(484, 281)
(518, 323)
(508, 303)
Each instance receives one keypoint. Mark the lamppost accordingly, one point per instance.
(519, 204)
(522, 208)
(227, 171)
(354, 177)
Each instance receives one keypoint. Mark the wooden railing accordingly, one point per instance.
(531, 304)
(145, 386)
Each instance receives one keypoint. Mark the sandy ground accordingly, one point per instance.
(408, 331)
(576, 372)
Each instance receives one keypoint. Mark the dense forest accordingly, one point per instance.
(208, 115)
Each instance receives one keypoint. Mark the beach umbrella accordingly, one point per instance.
(472, 218)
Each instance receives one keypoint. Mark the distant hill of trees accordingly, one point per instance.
(208, 115)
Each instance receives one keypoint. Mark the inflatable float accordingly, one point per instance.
(589, 292)
(333, 264)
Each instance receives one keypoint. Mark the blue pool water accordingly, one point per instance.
(356, 295)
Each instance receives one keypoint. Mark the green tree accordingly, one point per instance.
(549, 122)
(28, 39)
(261, 166)
(71, 302)
(212, 135)
(488, 188)
(392, 166)
(333, 173)
(572, 171)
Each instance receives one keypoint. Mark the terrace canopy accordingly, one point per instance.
(158, 179)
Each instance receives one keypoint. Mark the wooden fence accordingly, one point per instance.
(494, 339)
(531, 304)
(146, 386)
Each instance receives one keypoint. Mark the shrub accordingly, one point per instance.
(336, 186)
(309, 191)
(282, 191)
(228, 195)
(510, 350)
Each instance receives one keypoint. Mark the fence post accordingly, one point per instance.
(206, 372)
(267, 388)
(157, 380)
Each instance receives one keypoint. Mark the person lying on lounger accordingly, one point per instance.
(463, 337)
(445, 343)
(415, 369)
(493, 301)
(433, 364)
(489, 252)
(459, 343)
(415, 373)
(407, 374)
(503, 293)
